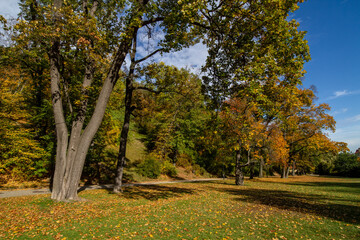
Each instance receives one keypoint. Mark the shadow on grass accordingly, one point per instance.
(351, 187)
(345, 187)
(305, 203)
(154, 192)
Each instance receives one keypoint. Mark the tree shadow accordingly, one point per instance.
(299, 202)
(351, 187)
(155, 192)
(346, 187)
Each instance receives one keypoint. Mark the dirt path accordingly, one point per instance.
(29, 192)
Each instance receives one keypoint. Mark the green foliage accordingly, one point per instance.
(172, 118)
(21, 156)
(347, 165)
(168, 169)
(101, 159)
(150, 167)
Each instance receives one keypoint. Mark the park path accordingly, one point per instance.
(29, 192)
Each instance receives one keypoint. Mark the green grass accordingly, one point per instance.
(297, 208)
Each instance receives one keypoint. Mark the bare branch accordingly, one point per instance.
(152, 20)
(148, 56)
(93, 8)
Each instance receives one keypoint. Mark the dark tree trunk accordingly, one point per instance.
(251, 171)
(293, 168)
(124, 134)
(261, 168)
(239, 176)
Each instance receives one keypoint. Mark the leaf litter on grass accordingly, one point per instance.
(262, 209)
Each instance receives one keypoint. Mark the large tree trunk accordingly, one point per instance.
(71, 152)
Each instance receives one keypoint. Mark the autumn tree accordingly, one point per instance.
(258, 55)
(240, 132)
(21, 156)
(172, 113)
(303, 125)
(87, 41)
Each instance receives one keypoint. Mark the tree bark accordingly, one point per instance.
(293, 168)
(70, 158)
(287, 172)
(251, 171)
(124, 132)
(239, 176)
(261, 168)
(284, 172)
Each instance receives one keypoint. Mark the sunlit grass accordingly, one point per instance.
(297, 208)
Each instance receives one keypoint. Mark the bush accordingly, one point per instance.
(347, 165)
(168, 169)
(197, 170)
(150, 168)
(183, 160)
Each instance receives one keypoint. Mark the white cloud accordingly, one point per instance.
(193, 57)
(9, 8)
(343, 93)
(344, 110)
(355, 118)
(348, 134)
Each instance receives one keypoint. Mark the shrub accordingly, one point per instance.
(168, 169)
(197, 170)
(347, 165)
(183, 160)
(150, 168)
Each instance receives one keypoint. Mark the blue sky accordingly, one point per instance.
(333, 28)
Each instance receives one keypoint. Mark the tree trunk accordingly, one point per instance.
(293, 168)
(251, 171)
(71, 153)
(239, 177)
(129, 89)
(124, 134)
(261, 168)
(284, 172)
(287, 172)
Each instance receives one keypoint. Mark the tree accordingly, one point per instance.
(240, 132)
(347, 164)
(87, 41)
(257, 55)
(21, 156)
(302, 125)
(172, 114)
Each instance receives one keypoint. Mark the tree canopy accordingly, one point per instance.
(248, 105)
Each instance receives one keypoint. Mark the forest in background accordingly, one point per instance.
(246, 113)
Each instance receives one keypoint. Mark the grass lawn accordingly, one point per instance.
(270, 208)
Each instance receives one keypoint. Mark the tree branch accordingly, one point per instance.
(152, 20)
(148, 56)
